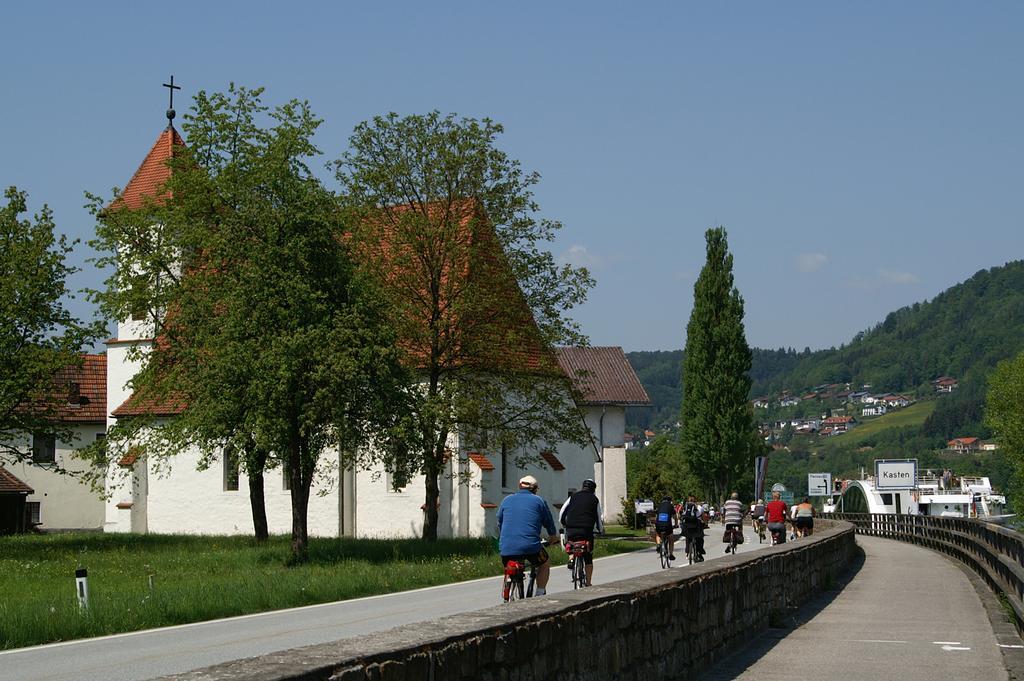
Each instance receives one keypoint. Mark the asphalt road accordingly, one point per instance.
(157, 652)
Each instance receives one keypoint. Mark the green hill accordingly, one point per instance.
(962, 332)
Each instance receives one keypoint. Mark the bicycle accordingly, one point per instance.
(760, 532)
(731, 548)
(664, 553)
(692, 550)
(576, 549)
(514, 586)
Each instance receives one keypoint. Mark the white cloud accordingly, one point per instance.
(579, 256)
(811, 262)
(898, 278)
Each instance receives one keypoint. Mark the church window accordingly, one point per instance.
(390, 480)
(44, 448)
(230, 470)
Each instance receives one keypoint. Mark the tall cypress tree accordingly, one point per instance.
(718, 432)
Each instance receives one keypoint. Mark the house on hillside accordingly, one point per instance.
(789, 401)
(347, 501)
(897, 401)
(964, 444)
(945, 384)
(838, 424)
(761, 403)
(988, 446)
(59, 501)
(876, 409)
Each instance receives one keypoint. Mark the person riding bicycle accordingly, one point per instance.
(757, 513)
(804, 519)
(776, 513)
(693, 524)
(733, 512)
(580, 514)
(521, 517)
(665, 520)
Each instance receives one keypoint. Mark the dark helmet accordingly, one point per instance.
(589, 485)
(666, 498)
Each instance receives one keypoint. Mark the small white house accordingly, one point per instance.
(59, 501)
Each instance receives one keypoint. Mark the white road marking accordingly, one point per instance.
(1004, 645)
(955, 648)
(946, 643)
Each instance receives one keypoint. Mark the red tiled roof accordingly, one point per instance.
(480, 460)
(130, 457)
(91, 404)
(603, 375)
(153, 173)
(12, 485)
(496, 330)
(138, 405)
(963, 440)
(78, 394)
(553, 461)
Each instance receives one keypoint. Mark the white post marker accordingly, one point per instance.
(82, 585)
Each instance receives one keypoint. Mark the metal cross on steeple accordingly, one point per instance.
(170, 108)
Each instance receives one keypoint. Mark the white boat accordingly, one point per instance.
(962, 497)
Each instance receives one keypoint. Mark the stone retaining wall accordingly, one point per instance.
(666, 625)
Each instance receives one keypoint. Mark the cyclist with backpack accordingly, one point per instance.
(693, 524)
(580, 515)
(665, 519)
(521, 517)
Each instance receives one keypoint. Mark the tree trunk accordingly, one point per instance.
(299, 485)
(433, 494)
(259, 507)
(257, 502)
(432, 470)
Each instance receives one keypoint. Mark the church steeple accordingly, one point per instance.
(153, 173)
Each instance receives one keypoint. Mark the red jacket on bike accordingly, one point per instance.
(776, 511)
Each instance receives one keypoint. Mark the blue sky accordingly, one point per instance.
(862, 156)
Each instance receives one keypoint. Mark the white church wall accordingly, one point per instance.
(190, 501)
(382, 512)
(614, 487)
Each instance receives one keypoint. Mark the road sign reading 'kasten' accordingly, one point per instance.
(895, 474)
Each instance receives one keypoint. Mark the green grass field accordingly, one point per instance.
(200, 578)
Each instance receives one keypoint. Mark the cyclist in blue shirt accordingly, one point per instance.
(521, 517)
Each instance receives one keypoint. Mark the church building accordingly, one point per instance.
(145, 498)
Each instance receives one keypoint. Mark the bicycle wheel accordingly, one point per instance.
(579, 573)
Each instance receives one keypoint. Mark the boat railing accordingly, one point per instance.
(957, 485)
(996, 553)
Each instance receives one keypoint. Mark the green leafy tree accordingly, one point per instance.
(445, 221)
(273, 347)
(718, 434)
(1004, 413)
(38, 335)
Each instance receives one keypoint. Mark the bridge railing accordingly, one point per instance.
(994, 552)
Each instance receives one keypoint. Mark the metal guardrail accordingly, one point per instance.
(996, 553)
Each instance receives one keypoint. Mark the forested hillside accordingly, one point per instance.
(963, 332)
